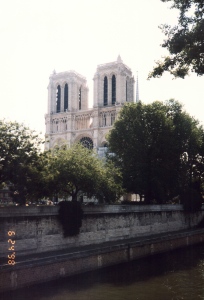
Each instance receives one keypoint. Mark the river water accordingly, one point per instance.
(170, 276)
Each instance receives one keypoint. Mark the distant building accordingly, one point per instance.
(6, 195)
(70, 120)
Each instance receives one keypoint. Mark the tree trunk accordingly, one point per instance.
(74, 197)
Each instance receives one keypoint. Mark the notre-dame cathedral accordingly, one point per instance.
(70, 120)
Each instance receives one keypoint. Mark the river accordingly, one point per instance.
(170, 276)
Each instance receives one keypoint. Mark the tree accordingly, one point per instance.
(76, 170)
(70, 172)
(150, 143)
(109, 183)
(185, 42)
(19, 159)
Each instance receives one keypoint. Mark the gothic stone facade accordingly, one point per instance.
(69, 119)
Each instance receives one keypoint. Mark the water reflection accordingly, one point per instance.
(170, 276)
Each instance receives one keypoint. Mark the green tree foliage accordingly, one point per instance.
(156, 147)
(76, 170)
(71, 171)
(109, 183)
(19, 159)
(185, 42)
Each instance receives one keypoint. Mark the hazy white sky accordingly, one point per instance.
(42, 35)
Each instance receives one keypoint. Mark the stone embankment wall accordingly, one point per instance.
(38, 230)
(55, 266)
(109, 235)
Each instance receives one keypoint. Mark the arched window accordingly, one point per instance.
(80, 98)
(87, 142)
(58, 98)
(66, 97)
(113, 89)
(105, 91)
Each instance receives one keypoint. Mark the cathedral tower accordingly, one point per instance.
(69, 119)
(113, 84)
(67, 91)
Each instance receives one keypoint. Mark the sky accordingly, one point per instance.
(40, 36)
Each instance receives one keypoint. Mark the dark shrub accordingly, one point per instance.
(191, 200)
(70, 216)
(201, 223)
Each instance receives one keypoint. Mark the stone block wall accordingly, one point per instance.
(34, 272)
(38, 230)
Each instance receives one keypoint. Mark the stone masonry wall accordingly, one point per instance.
(38, 230)
(34, 272)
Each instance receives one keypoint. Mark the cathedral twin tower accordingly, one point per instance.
(70, 120)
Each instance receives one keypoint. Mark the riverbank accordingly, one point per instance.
(35, 230)
(46, 266)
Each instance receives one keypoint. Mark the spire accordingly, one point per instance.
(119, 60)
(137, 90)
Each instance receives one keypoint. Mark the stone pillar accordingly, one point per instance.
(70, 96)
(75, 96)
(123, 88)
(95, 117)
(69, 122)
(95, 90)
(53, 99)
(118, 89)
(108, 119)
(100, 92)
(84, 97)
